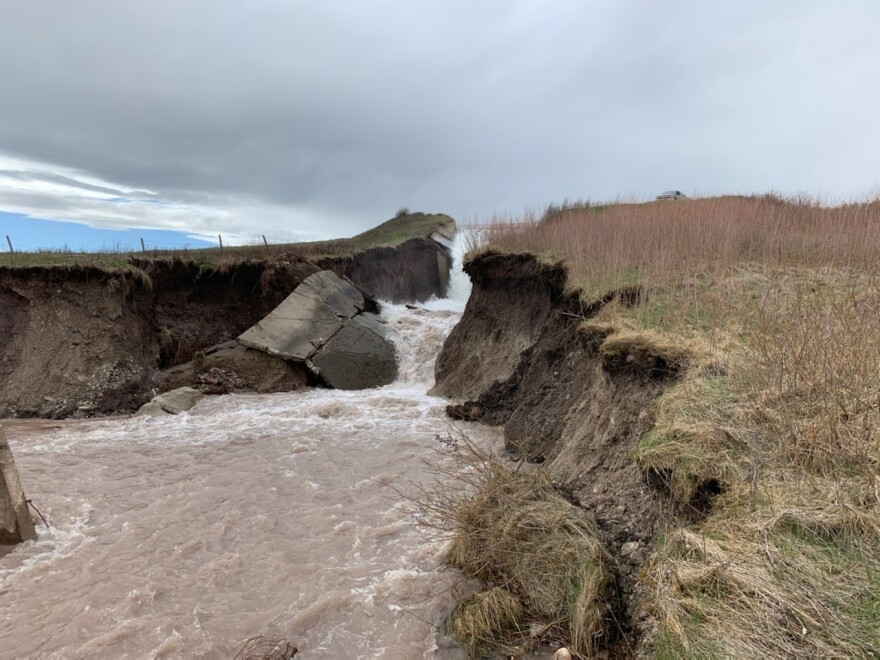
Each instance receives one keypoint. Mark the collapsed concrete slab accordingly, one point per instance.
(359, 353)
(307, 318)
(323, 325)
(16, 524)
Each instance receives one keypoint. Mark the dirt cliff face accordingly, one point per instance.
(192, 308)
(73, 342)
(83, 341)
(511, 301)
(411, 272)
(518, 359)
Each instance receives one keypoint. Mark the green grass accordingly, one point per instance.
(389, 234)
(597, 287)
(52, 258)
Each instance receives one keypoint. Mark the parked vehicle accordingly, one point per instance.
(671, 194)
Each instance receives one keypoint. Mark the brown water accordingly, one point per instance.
(270, 515)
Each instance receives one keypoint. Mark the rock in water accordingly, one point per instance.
(323, 324)
(172, 402)
(16, 524)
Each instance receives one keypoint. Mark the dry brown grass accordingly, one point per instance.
(538, 555)
(487, 619)
(778, 410)
(666, 241)
(795, 579)
(786, 564)
(647, 349)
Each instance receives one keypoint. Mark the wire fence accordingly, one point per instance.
(10, 244)
(119, 253)
(145, 248)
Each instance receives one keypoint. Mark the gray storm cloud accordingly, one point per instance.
(299, 119)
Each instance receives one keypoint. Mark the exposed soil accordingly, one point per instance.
(561, 404)
(510, 303)
(83, 340)
(191, 308)
(232, 367)
(411, 272)
(74, 343)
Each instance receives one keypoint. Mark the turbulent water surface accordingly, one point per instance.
(271, 515)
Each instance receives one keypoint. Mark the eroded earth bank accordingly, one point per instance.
(84, 340)
(280, 514)
(523, 359)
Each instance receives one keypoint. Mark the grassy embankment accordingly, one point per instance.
(773, 307)
(404, 226)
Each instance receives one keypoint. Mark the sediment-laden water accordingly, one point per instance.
(271, 515)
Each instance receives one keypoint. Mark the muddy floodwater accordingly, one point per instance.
(271, 515)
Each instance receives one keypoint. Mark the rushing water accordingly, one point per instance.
(272, 515)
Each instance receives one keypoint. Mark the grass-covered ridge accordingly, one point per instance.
(403, 227)
(769, 443)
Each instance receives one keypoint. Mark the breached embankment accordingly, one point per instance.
(275, 515)
(82, 340)
(518, 359)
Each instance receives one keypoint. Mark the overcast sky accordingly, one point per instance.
(307, 119)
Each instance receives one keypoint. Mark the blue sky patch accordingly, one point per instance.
(29, 234)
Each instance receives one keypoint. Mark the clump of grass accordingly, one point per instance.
(519, 534)
(597, 330)
(139, 275)
(486, 619)
(554, 211)
(689, 459)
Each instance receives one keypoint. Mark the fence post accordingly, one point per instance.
(220, 238)
(143, 247)
(9, 240)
